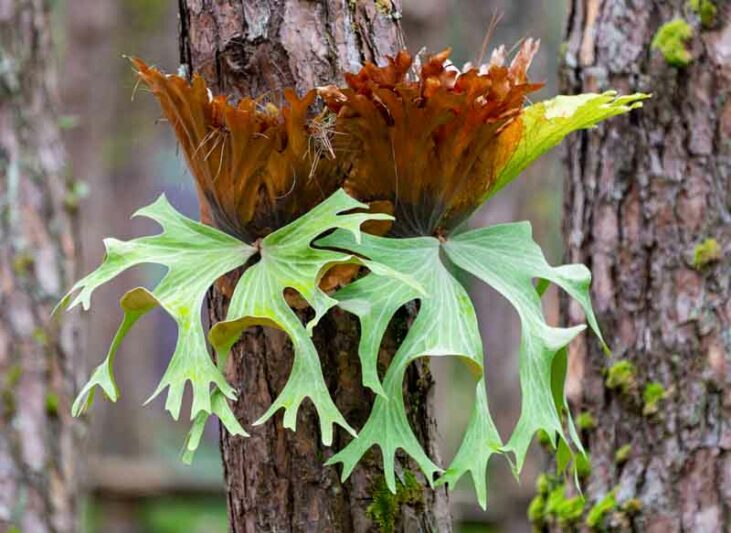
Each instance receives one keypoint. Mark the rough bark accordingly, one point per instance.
(38, 356)
(642, 193)
(276, 480)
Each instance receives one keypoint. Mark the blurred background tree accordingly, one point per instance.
(126, 158)
(40, 359)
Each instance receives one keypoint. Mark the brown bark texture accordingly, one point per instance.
(38, 356)
(275, 480)
(642, 193)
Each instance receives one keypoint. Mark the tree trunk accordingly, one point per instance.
(38, 356)
(275, 480)
(644, 194)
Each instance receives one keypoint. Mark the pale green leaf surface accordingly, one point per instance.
(287, 260)
(221, 409)
(506, 257)
(480, 442)
(374, 299)
(445, 325)
(545, 124)
(195, 256)
(135, 304)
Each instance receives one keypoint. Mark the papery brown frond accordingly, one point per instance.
(431, 147)
(256, 167)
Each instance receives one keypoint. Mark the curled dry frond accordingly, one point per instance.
(253, 164)
(432, 147)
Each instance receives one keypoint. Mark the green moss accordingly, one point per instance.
(22, 263)
(600, 510)
(52, 404)
(384, 6)
(653, 394)
(411, 491)
(706, 252)
(536, 509)
(622, 455)
(40, 336)
(7, 397)
(585, 421)
(571, 510)
(671, 40)
(632, 506)
(564, 510)
(384, 508)
(543, 484)
(7, 393)
(621, 375)
(706, 11)
(12, 376)
(563, 49)
(552, 505)
(77, 191)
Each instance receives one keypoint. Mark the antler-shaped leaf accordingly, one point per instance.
(445, 325)
(289, 261)
(481, 440)
(506, 257)
(374, 300)
(195, 256)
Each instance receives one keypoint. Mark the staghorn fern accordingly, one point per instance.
(423, 156)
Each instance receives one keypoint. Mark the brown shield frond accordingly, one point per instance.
(431, 148)
(256, 167)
